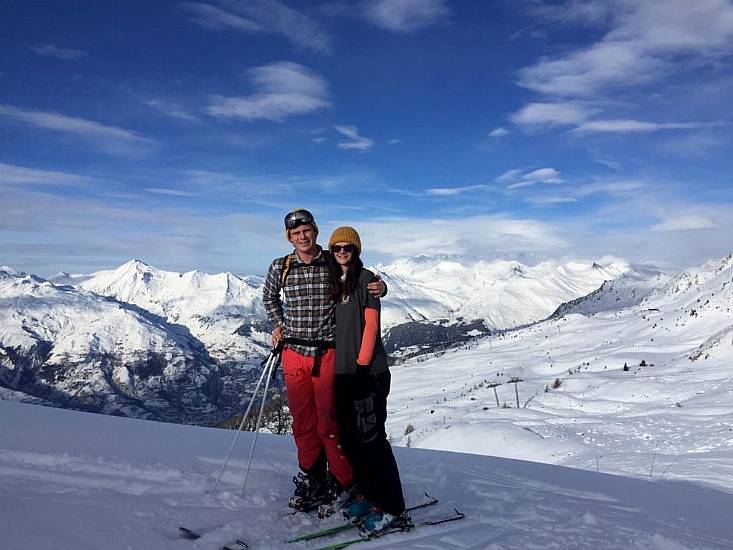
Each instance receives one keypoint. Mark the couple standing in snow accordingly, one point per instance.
(336, 374)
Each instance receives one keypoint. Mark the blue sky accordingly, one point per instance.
(180, 133)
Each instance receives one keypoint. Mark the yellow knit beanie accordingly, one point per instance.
(313, 223)
(345, 235)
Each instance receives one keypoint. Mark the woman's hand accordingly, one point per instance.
(364, 383)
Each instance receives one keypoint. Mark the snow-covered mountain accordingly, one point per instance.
(504, 294)
(77, 349)
(629, 290)
(220, 321)
(223, 311)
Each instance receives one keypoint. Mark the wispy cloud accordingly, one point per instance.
(498, 133)
(283, 89)
(356, 141)
(635, 126)
(452, 191)
(617, 188)
(521, 178)
(645, 44)
(405, 16)
(644, 40)
(482, 236)
(579, 115)
(261, 17)
(551, 113)
(67, 54)
(688, 222)
(171, 109)
(586, 12)
(111, 139)
(21, 175)
(171, 192)
(541, 200)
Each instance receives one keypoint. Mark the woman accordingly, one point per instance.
(361, 387)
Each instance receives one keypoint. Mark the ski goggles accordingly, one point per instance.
(299, 217)
(348, 248)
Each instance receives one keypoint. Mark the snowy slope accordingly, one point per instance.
(77, 349)
(629, 290)
(671, 418)
(504, 294)
(84, 482)
(222, 310)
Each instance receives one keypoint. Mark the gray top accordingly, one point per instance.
(350, 328)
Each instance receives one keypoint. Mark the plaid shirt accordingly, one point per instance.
(309, 311)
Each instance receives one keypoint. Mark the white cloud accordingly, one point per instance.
(67, 54)
(541, 175)
(618, 188)
(646, 38)
(283, 89)
(689, 222)
(20, 175)
(261, 17)
(634, 126)
(451, 191)
(510, 175)
(481, 236)
(171, 109)
(551, 113)
(112, 139)
(171, 192)
(405, 16)
(357, 141)
(603, 86)
(498, 133)
(589, 12)
(578, 114)
(551, 199)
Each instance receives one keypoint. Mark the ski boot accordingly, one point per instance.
(309, 492)
(341, 496)
(379, 520)
(357, 508)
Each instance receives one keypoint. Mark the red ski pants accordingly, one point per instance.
(313, 408)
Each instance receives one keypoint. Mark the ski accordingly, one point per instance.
(239, 545)
(400, 529)
(350, 524)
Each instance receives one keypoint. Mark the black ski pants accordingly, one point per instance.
(365, 443)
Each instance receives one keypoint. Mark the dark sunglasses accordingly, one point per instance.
(348, 248)
(299, 217)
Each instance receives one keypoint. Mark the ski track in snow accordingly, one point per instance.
(132, 487)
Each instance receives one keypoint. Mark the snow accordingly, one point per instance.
(672, 418)
(503, 293)
(594, 456)
(212, 306)
(84, 481)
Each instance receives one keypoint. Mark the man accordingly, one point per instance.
(306, 323)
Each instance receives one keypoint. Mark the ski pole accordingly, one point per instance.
(271, 369)
(270, 358)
